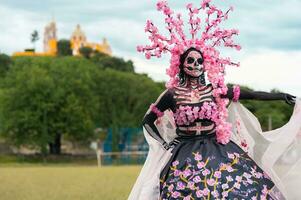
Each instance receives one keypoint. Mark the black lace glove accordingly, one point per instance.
(170, 145)
(289, 99)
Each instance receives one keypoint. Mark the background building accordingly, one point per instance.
(78, 39)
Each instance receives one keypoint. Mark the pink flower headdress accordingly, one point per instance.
(206, 41)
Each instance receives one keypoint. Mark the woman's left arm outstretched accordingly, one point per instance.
(259, 95)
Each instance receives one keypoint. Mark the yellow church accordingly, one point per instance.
(78, 39)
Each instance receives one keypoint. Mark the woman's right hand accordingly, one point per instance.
(289, 99)
(170, 145)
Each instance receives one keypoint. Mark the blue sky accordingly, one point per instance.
(270, 32)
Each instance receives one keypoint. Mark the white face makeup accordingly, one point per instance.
(193, 64)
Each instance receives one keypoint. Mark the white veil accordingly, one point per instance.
(278, 151)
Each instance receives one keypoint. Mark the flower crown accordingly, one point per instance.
(207, 42)
(213, 36)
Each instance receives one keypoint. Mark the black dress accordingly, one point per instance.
(202, 168)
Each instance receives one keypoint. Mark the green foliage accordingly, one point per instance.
(44, 98)
(86, 51)
(96, 54)
(124, 99)
(64, 48)
(5, 62)
(278, 111)
(105, 61)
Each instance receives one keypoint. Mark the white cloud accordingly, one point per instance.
(16, 28)
(267, 70)
(154, 69)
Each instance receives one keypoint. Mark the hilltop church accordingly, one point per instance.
(78, 39)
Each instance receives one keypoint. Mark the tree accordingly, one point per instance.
(124, 98)
(278, 111)
(86, 51)
(64, 48)
(34, 38)
(5, 62)
(45, 99)
(96, 54)
(114, 63)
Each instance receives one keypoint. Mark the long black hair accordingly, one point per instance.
(182, 75)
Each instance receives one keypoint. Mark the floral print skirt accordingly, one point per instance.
(201, 168)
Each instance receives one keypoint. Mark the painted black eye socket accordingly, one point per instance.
(200, 61)
(190, 60)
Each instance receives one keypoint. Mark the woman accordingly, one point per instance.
(200, 166)
(199, 150)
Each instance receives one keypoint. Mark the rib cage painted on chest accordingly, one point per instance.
(184, 95)
(195, 97)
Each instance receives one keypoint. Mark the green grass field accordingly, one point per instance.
(34, 182)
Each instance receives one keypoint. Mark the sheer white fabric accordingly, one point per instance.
(277, 152)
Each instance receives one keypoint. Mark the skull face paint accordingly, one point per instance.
(193, 65)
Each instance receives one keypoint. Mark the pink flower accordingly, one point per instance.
(186, 173)
(140, 48)
(187, 197)
(238, 178)
(210, 181)
(215, 193)
(265, 175)
(148, 55)
(195, 111)
(264, 190)
(236, 91)
(237, 185)
(197, 179)
(189, 6)
(199, 193)
(180, 185)
(258, 175)
(191, 185)
(225, 194)
(206, 191)
(250, 181)
(167, 11)
(197, 156)
(247, 175)
(170, 188)
(229, 168)
(175, 163)
(195, 11)
(206, 172)
(231, 156)
(200, 165)
(175, 194)
(225, 186)
(161, 5)
(204, 3)
(217, 174)
(177, 172)
(229, 178)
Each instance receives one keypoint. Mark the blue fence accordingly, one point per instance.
(129, 140)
